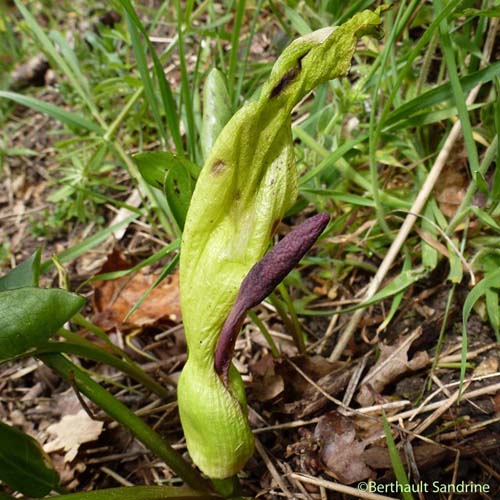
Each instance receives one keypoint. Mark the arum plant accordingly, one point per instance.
(248, 182)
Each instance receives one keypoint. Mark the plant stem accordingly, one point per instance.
(118, 411)
(86, 349)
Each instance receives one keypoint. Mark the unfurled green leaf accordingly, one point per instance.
(248, 182)
(29, 316)
(400, 283)
(23, 464)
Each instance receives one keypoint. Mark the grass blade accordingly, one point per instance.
(68, 118)
(397, 464)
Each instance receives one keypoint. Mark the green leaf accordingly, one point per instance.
(25, 274)
(153, 166)
(485, 218)
(69, 118)
(29, 316)
(471, 12)
(167, 98)
(119, 412)
(140, 53)
(396, 302)
(456, 272)
(23, 464)
(178, 190)
(165, 272)
(495, 192)
(84, 246)
(493, 309)
(429, 254)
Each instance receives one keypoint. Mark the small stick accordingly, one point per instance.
(272, 469)
(341, 488)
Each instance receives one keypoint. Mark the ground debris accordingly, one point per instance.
(392, 363)
(71, 432)
(113, 299)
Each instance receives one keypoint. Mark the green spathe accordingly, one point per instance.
(248, 182)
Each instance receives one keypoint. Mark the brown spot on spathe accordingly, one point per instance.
(287, 79)
(218, 167)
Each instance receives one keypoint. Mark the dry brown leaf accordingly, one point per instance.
(487, 366)
(341, 452)
(71, 432)
(113, 299)
(450, 189)
(392, 363)
(268, 384)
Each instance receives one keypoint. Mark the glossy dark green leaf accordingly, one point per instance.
(178, 189)
(29, 316)
(25, 274)
(23, 464)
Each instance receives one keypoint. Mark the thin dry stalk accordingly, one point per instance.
(272, 469)
(119, 479)
(340, 488)
(424, 404)
(354, 382)
(472, 429)
(491, 389)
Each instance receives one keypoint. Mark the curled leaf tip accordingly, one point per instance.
(262, 279)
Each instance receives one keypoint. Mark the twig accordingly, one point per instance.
(491, 389)
(444, 406)
(341, 488)
(272, 469)
(119, 479)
